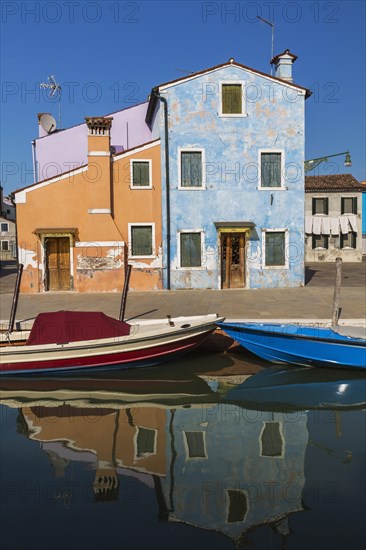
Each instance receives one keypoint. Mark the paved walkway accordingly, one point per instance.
(312, 302)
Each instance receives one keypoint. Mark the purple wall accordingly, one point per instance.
(65, 150)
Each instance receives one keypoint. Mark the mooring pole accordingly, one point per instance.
(337, 292)
(124, 294)
(15, 299)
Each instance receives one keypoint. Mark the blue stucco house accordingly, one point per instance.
(233, 176)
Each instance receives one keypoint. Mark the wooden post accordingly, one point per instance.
(15, 299)
(124, 294)
(337, 292)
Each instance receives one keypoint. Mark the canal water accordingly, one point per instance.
(218, 451)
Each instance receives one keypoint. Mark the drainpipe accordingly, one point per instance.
(167, 179)
(34, 160)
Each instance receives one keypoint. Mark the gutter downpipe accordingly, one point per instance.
(167, 179)
(34, 161)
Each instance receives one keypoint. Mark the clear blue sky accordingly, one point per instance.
(108, 55)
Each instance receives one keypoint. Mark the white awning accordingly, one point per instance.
(326, 225)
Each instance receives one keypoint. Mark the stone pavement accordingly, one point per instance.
(312, 303)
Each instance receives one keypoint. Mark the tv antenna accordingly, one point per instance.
(54, 91)
(272, 47)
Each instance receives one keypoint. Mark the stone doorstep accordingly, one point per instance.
(27, 325)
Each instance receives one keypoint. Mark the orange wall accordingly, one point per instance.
(65, 204)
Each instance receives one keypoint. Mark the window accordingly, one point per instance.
(231, 99)
(271, 169)
(195, 444)
(5, 246)
(348, 205)
(141, 239)
(271, 440)
(190, 249)
(141, 173)
(348, 240)
(320, 205)
(238, 505)
(191, 169)
(319, 241)
(4, 227)
(275, 242)
(145, 442)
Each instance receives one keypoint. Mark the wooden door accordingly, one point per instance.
(58, 263)
(233, 260)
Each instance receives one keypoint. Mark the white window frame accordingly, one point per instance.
(275, 230)
(135, 224)
(5, 230)
(5, 241)
(146, 455)
(139, 187)
(243, 102)
(283, 448)
(188, 457)
(282, 187)
(203, 159)
(201, 231)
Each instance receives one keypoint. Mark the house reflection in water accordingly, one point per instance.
(215, 466)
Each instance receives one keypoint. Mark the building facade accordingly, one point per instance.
(78, 230)
(233, 184)
(333, 224)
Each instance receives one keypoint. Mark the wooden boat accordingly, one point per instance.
(309, 346)
(66, 341)
(293, 388)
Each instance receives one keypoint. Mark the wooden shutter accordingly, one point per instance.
(141, 174)
(271, 170)
(191, 169)
(232, 99)
(141, 237)
(275, 248)
(190, 249)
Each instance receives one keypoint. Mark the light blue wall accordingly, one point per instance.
(275, 120)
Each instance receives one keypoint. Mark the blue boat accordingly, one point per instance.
(309, 346)
(291, 388)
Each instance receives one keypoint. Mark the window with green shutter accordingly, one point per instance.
(141, 240)
(348, 240)
(320, 205)
(348, 205)
(232, 103)
(320, 241)
(190, 249)
(275, 248)
(140, 173)
(191, 169)
(270, 169)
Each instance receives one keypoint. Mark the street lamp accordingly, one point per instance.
(311, 164)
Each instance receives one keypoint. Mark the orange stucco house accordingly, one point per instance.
(77, 230)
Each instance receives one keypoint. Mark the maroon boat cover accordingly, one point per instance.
(60, 327)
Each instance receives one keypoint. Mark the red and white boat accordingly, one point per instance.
(66, 341)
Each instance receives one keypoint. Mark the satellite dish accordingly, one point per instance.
(48, 123)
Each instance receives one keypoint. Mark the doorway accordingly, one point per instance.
(233, 260)
(57, 256)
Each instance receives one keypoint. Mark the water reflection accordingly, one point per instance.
(220, 449)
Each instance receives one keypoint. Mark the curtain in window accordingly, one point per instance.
(191, 169)
(141, 237)
(320, 205)
(190, 249)
(349, 205)
(140, 176)
(271, 169)
(275, 248)
(348, 240)
(231, 99)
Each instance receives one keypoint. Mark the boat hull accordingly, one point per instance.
(148, 348)
(299, 345)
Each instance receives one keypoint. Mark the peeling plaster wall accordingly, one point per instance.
(275, 120)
